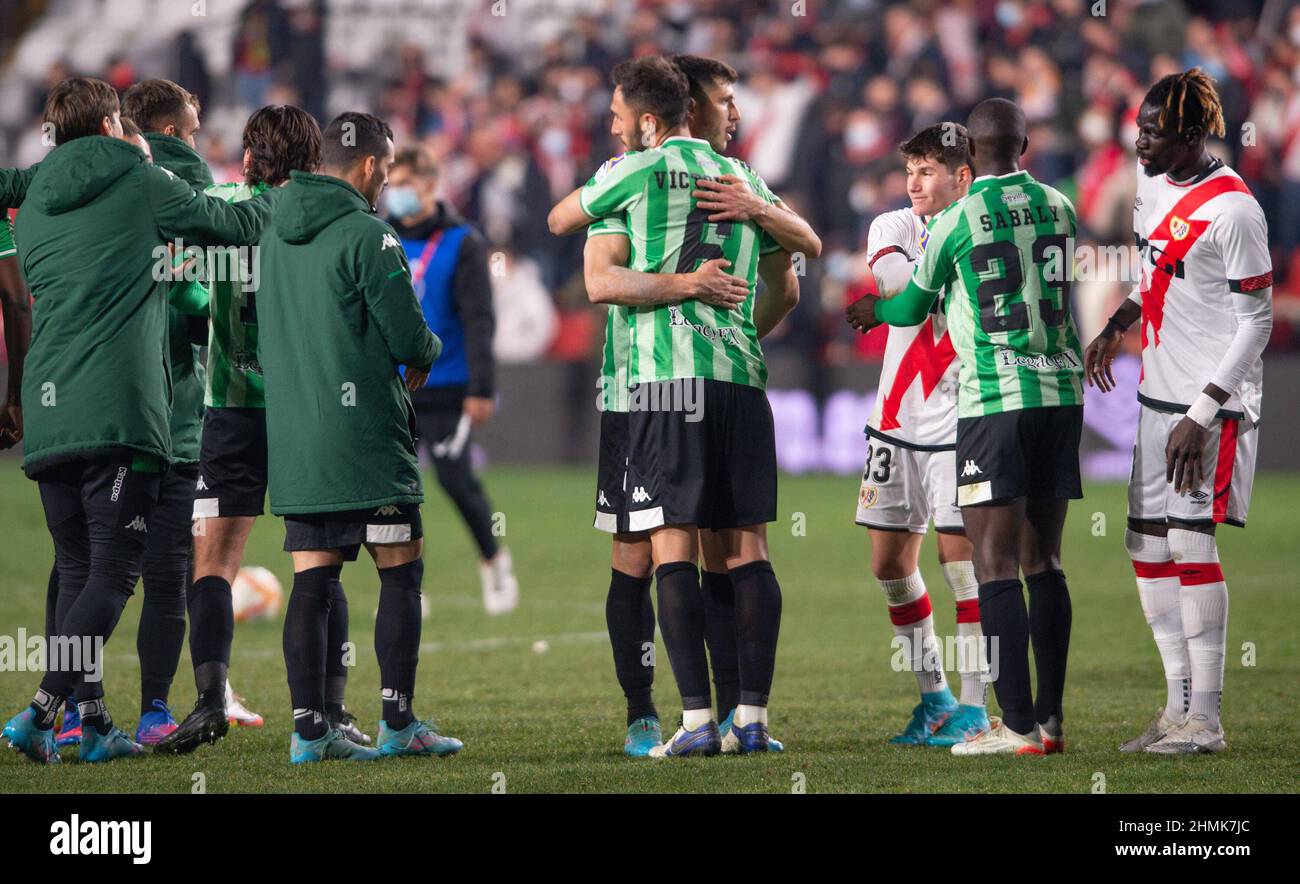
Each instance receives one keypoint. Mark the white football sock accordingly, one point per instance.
(750, 714)
(972, 663)
(909, 609)
(696, 718)
(1204, 599)
(1160, 593)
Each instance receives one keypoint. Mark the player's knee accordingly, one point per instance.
(1192, 546)
(889, 568)
(634, 559)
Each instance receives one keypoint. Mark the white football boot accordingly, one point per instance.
(1190, 737)
(1156, 728)
(1001, 740)
(237, 712)
(500, 588)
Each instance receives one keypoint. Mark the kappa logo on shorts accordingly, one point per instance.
(970, 469)
(137, 524)
(202, 486)
(388, 510)
(639, 495)
(601, 499)
(117, 483)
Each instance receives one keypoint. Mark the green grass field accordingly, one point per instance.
(553, 721)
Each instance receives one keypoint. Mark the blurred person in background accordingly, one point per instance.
(449, 271)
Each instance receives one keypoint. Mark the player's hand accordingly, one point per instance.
(1183, 465)
(415, 378)
(729, 199)
(11, 425)
(861, 314)
(1100, 356)
(711, 284)
(479, 409)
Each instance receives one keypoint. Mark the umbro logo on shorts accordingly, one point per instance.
(137, 524)
(639, 495)
(388, 510)
(970, 469)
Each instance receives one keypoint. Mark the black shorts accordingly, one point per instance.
(1032, 452)
(232, 463)
(113, 499)
(713, 466)
(611, 473)
(171, 529)
(347, 530)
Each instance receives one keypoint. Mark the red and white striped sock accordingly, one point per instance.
(1161, 598)
(972, 663)
(909, 609)
(1204, 600)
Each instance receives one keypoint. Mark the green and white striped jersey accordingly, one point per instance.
(650, 190)
(234, 373)
(1006, 254)
(618, 335)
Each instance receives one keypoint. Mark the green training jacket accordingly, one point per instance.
(97, 379)
(336, 317)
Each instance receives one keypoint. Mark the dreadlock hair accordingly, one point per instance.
(1186, 100)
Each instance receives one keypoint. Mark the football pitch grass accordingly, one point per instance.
(552, 720)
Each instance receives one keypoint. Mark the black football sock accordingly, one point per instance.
(212, 628)
(336, 670)
(94, 714)
(397, 639)
(305, 627)
(758, 625)
(161, 634)
(681, 622)
(626, 608)
(45, 709)
(1006, 629)
(1050, 615)
(52, 603)
(90, 621)
(720, 635)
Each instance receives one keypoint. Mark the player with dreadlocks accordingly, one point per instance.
(1205, 303)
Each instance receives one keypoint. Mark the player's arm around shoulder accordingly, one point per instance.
(384, 279)
(617, 185)
(181, 212)
(14, 184)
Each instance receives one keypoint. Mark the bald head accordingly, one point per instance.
(996, 128)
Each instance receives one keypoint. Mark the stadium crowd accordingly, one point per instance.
(514, 108)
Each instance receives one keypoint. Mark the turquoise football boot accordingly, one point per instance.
(930, 714)
(25, 737)
(417, 738)
(967, 723)
(642, 736)
(97, 748)
(333, 746)
(731, 743)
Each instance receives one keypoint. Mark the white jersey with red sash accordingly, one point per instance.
(916, 402)
(1201, 242)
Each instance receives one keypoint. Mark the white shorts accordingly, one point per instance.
(1228, 462)
(904, 488)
